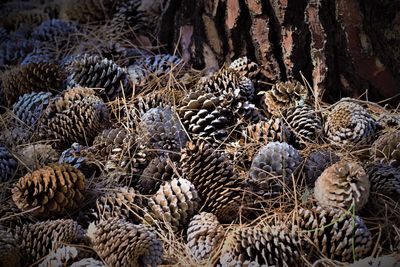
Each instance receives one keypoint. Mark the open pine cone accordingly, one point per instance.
(121, 243)
(316, 163)
(8, 165)
(245, 67)
(349, 123)
(204, 235)
(386, 148)
(266, 131)
(53, 189)
(384, 179)
(343, 184)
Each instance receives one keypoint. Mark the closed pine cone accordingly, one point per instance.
(9, 250)
(349, 123)
(173, 204)
(8, 165)
(121, 243)
(341, 184)
(264, 246)
(386, 148)
(245, 67)
(333, 231)
(204, 235)
(77, 115)
(38, 240)
(283, 95)
(53, 189)
(384, 179)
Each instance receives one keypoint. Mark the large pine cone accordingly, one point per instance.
(37, 240)
(266, 131)
(162, 129)
(349, 123)
(9, 250)
(8, 165)
(341, 184)
(121, 243)
(335, 233)
(387, 148)
(283, 95)
(77, 115)
(384, 179)
(174, 204)
(33, 77)
(204, 234)
(97, 72)
(212, 173)
(53, 189)
(30, 107)
(316, 163)
(272, 168)
(263, 246)
(245, 67)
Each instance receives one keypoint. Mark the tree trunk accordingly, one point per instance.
(341, 47)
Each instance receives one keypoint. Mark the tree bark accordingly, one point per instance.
(341, 47)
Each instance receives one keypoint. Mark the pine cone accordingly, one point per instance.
(55, 32)
(384, 179)
(174, 204)
(34, 77)
(204, 234)
(386, 148)
(97, 72)
(8, 165)
(76, 157)
(272, 168)
(30, 107)
(212, 174)
(266, 246)
(9, 251)
(37, 240)
(141, 247)
(316, 163)
(40, 54)
(121, 202)
(77, 115)
(158, 171)
(389, 121)
(63, 256)
(88, 262)
(333, 231)
(245, 67)
(162, 128)
(349, 123)
(283, 95)
(341, 184)
(53, 189)
(13, 50)
(266, 131)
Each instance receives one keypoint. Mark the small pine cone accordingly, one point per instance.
(54, 32)
(266, 246)
(141, 247)
(212, 174)
(121, 202)
(245, 67)
(387, 148)
(341, 184)
(158, 171)
(30, 107)
(316, 163)
(88, 262)
(63, 256)
(272, 168)
(76, 115)
(283, 95)
(266, 131)
(37, 240)
(34, 77)
(36, 155)
(174, 204)
(9, 251)
(53, 189)
(204, 234)
(8, 165)
(333, 231)
(98, 72)
(349, 123)
(384, 179)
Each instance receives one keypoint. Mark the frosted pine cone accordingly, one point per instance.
(53, 189)
(158, 171)
(335, 233)
(174, 204)
(349, 123)
(245, 67)
(384, 179)
(8, 165)
(272, 168)
(141, 247)
(283, 95)
(316, 163)
(343, 184)
(386, 148)
(204, 235)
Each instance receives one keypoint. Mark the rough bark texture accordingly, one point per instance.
(342, 47)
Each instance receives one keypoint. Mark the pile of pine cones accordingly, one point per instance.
(116, 155)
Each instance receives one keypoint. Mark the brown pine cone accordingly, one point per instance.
(121, 243)
(245, 67)
(341, 184)
(8, 165)
(54, 189)
(158, 171)
(204, 234)
(266, 131)
(349, 123)
(332, 232)
(38, 240)
(9, 250)
(384, 179)
(316, 163)
(386, 148)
